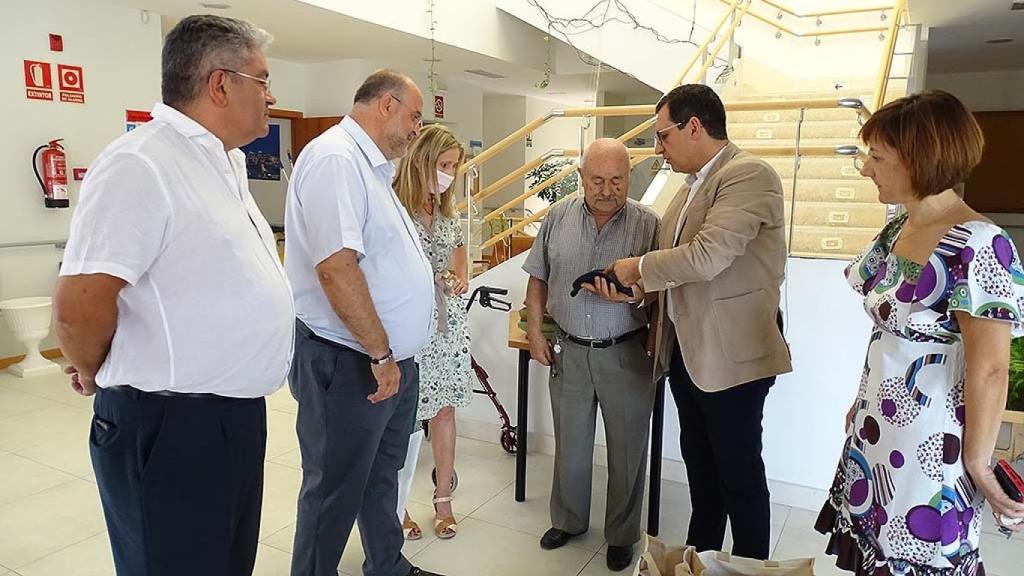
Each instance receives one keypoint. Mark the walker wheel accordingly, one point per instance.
(455, 479)
(509, 441)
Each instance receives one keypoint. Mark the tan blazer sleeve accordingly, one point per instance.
(749, 196)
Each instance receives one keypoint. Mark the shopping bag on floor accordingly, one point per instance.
(659, 559)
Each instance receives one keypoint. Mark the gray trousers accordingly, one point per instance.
(351, 453)
(618, 379)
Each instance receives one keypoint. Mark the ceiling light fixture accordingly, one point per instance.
(215, 5)
(999, 41)
(485, 73)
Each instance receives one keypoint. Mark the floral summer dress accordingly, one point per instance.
(444, 362)
(901, 503)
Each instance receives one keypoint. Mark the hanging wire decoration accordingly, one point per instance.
(432, 72)
(600, 15)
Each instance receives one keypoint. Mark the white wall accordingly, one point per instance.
(474, 25)
(983, 91)
(121, 59)
(503, 114)
(827, 361)
(288, 83)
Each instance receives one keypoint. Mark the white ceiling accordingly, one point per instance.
(959, 29)
(307, 34)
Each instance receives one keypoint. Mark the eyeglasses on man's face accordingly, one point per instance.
(264, 81)
(417, 116)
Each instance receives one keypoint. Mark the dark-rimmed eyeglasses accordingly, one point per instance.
(417, 116)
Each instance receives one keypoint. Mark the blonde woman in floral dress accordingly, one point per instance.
(424, 185)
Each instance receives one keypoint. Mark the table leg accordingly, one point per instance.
(521, 427)
(657, 433)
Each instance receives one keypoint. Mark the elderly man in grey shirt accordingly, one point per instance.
(602, 358)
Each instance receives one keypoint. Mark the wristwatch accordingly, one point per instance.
(389, 357)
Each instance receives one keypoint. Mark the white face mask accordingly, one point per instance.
(443, 182)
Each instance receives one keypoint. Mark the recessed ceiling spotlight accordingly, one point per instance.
(215, 5)
(999, 41)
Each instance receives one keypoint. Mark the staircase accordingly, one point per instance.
(832, 212)
(835, 211)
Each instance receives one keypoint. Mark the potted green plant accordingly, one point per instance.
(1015, 398)
(557, 190)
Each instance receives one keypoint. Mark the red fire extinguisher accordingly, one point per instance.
(54, 181)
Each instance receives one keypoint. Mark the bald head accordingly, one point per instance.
(605, 174)
(389, 107)
(606, 150)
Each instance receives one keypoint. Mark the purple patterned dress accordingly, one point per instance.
(901, 503)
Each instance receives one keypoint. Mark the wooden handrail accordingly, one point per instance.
(563, 173)
(639, 128)
(504, 181)
(835, 12)
(882, 82)
(645, 110)
(810, 151)
(834, 32)
(636, 155)
(707, 42)
(500, 146)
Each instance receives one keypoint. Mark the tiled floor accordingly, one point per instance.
(51, 523)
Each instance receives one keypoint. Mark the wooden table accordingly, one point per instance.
(517, 340)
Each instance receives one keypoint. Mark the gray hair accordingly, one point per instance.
(379, 83)
(199, 45)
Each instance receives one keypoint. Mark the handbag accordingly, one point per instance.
(660, 559)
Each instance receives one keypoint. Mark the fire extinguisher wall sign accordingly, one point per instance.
(54, 181)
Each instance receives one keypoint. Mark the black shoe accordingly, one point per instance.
(420, 572)
(619, 557)
(555, 538)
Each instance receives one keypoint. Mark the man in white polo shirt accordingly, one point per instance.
(364, 296)
(174, 309)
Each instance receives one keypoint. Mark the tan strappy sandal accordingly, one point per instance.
(446, 528)
(411, 528)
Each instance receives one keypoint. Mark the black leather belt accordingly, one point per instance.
(168, 394)
(589, 343)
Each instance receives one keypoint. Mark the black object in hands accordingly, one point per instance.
(589, 278)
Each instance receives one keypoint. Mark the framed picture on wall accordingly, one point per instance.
(263, 156)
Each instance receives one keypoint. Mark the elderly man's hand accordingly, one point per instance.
(626, 270)
(608, 291)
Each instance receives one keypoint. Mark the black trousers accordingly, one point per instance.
(181, 481)
(720, 439)
(352, 451)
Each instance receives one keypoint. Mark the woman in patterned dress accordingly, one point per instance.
(424, 186)
(945, 289)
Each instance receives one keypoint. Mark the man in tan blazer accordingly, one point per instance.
(717, 273)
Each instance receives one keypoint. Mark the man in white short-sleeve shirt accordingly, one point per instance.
(364, 297)
(174, 309)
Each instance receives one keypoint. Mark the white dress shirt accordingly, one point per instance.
(341, 197)
(694, 182)
(207, 307)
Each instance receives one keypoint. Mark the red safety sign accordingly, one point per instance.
(72, 85)
(38, 81)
